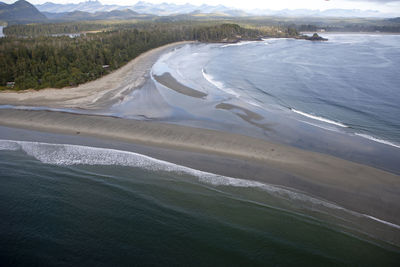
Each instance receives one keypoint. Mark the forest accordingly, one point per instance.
(57, 61)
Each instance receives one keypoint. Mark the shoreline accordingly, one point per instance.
(333, 32)
(357, 187)
(95, 94)
(351, 185)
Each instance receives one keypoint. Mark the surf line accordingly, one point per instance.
(314, 117)
(67, 154)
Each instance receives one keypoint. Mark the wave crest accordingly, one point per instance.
(65, 154)
(219, 84)
(319, 118)
(238, 44)
(377, 140)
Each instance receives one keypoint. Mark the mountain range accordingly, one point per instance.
(88, 6)
(165, 9)
(24, 12)
(99, 15)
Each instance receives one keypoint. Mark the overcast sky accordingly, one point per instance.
(392, 6)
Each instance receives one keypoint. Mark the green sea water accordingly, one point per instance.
(80, 206)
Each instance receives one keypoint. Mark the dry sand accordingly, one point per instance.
(95, 94)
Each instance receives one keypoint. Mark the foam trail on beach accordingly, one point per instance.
(65, 154)
(218, 84)
(377, 140)
(319, 118)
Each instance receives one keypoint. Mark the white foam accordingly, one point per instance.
(219, 84)
(65, 154)
(377, 140)
(319, 118)
(9, 145)
(238, 44)
(321, 126)
(382, 221)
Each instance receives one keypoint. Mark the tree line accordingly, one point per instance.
(44, 61)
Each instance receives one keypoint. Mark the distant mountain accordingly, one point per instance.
(104, 15)
(395, 20)
(347, 13)
(167, 9)
(20, 12)
(88, 6)
(163, 9)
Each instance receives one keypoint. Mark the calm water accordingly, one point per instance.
(102, 207)
(349, 84)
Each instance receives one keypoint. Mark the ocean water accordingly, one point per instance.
(77, 205)
(338, 97)
(350, 84)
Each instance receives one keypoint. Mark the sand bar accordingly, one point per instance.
(167, 80)
(357, 187)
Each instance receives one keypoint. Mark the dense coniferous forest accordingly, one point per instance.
(48, 61)
(48, 29)
(32, 30)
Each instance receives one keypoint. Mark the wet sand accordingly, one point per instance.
(354, 186)
(167, 80)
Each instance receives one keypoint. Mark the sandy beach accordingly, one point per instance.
(96, 94)
(354, 186)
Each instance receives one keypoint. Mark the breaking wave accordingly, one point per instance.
(319, 118)
(219, 84)
(65, 154)
(377, 140)
(238, 44)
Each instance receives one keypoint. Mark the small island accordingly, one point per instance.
(314, 37)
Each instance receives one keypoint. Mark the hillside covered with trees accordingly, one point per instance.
(21, 11)
(48, 61)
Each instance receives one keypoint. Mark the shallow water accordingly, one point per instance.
(349, 84)
(338, 97)
(94, 206)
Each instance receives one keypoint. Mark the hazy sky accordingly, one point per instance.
(392, 6)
